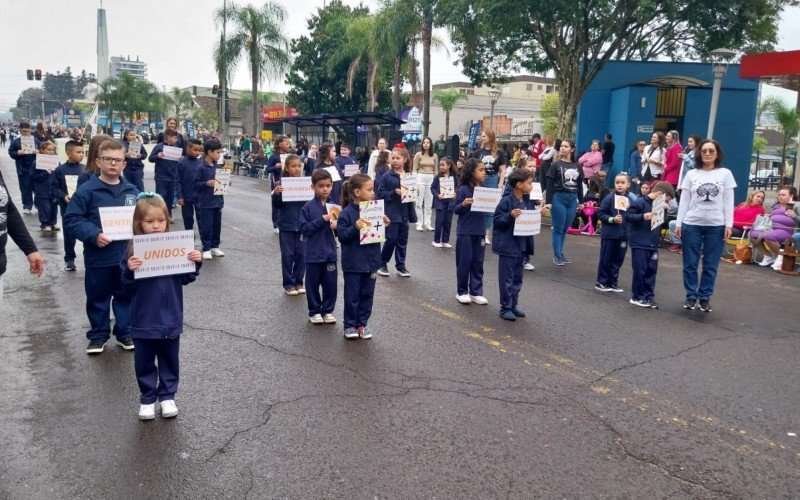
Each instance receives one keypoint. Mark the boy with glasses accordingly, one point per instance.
(101, 255)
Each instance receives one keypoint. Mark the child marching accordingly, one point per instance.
(41, 179)
(443, 202)
(134, 153)
(156, 314)
(293, 246)
(471, 232)
(359, 262)
(400, 213)
(317, 224)
(614, 242)
(166, 169)
(184, 187)
(209, 204)
(275, 169)
(62, 187)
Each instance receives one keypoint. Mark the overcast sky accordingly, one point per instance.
(175, 39)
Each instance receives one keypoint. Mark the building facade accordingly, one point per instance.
(136, 67)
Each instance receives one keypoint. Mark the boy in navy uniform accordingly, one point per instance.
(512, 249)
(209, 205)
(614, 242)
(26, 163)
(644, 242)
(60, 193)
(344, 158)
(184, 187)
(101, 255)
(166, 170)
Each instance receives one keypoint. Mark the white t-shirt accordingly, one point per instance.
(707, 198)
(373, 159)
(654, 154)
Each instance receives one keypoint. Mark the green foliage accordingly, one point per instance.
(128, 95)
(759, 143)
(574, 38)
(180, 100)
(29, 103)
(319, 74)
(66, 86)
(788, 124)
(549, 113)
(447, 98)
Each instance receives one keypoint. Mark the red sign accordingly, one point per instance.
(272, 114)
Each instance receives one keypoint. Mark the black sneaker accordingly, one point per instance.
(690, 304)
(705, 306)
(640, 303)
(601, 287)
(95, 346)
(402, 271)
(565, 260)
(653, 304)
(126, 344)
(383, 271)
(70, 266)
(616, 289)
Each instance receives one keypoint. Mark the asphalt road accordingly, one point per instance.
(588, 396)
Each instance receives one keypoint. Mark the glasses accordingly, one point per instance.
(110, 160)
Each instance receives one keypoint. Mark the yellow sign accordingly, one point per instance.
(266, 135)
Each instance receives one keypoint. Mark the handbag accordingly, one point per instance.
(762, 223)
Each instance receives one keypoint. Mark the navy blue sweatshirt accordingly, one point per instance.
(58, 182)
(83, 218)
(469, 222)
(607, 212)
(320, 241)
(447, 204)
(336, 191)
(288, 213)
(342, 161)
(639, 233)
(134, 164)
(356, 258)
(166, 170)
(503, 240)
(396, 211)
(157, 304)
(25, 163)
(41, 183)
(203, 194)
(187, 169)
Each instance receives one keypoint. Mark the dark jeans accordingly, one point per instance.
(188, 211)
(293, 258)
(444, 220)
(708, 241)
(509, 270)
(135, 177)
(69, 237)
(321, 275)
(47, 211)
(612, 255)
(644, 262)
(470, 253)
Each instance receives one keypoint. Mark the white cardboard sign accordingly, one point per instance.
(447, 187)
(529, 223)
(373, 212)
(485, 199)
(351, 170)
(660, 211)
(297, 189)
(172, 153)
(334, 173)
(536, 193)
(223, 178)
(46, 162)
(164, 254)
(117, 222)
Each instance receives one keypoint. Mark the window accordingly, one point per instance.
(529, 87)
(538, 87)
(463, 91)
(549, 89)
(470, 92)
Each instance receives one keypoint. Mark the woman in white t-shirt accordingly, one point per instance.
(653, 158)
(373, 157)
(705, 221)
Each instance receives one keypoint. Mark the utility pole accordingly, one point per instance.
(224, 100)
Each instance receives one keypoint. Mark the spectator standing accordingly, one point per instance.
(672, 158)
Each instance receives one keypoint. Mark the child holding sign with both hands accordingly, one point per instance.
(443, 202)
(471, 231)
(209, 205)
(293, 246)
(156, 314)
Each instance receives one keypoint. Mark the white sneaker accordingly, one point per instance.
(276, 230)
(529, 267)
(147, 412)
(329, 319)
(437, 245)
(447, 245)
(216, 252)
(207, 255)
(479, 299)
(767, 261)
(464, 299)
(487, 241)
(428, 227)
(292, 291)
(316, 319)
(301, 290)
(419, 227)
(27, 211)
(168, 409)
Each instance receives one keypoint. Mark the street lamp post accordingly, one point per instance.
(720, 68)
(494, 95)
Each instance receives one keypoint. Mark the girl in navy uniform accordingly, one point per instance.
(495, 161)
(60, 193)
(134, 167)
(381, 166)
(45, 206)
(359, 262)
(326, 158)
(400, 214)
(293, 247)
(512, 249)
(209, 205)
(443, 206)
(275, 168)
(614, 240)
(471, 231)
(156, 314)
(317, 227)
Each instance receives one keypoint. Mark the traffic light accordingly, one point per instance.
(30, 74)
(38, 74)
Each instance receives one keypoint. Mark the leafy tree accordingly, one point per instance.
(363, 51)
(575, 38)
(549, 113)
(258, 39)
(318, 78)
(788, 125)
(60, 86)
(208, 118)
(447, 99)
(128, 95)
(179, 100)
(759, 143)
(30, 100)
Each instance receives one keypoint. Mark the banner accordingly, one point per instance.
(223, 178)
(47, 162)
(486, 199)
(172, 153)
(188, 125)
(117, 222)
(375, 232)
(164, 254)
(297, 189)
(529, 223)
(473, 135)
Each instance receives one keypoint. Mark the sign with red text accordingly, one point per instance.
(117, 222)
(529, 223)
(297, 189)
(486, 199)
(164, 254)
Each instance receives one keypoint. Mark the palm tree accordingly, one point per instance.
(180, 99)
(362, 48)
(396, 30)
(258, 38)
(447, 99)
(788, 125)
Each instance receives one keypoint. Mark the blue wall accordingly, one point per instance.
(613, 103)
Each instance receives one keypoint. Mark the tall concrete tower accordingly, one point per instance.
(102, 45)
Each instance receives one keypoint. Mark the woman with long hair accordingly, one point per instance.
(745, 214)
(672, 158)
(425, 165)
(564, 180)
(653, 158)
(495, 161)
(172, 123)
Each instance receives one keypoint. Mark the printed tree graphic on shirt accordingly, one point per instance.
(708, 190)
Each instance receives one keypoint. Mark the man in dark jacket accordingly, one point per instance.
(11, 224)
